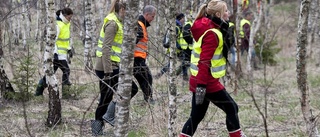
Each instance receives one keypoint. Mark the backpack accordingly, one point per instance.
(166, 39)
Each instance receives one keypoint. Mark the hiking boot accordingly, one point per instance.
(97, 127)
(109, 116)
(40, 88)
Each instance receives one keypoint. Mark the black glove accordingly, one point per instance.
(200, 94)
(70, 53)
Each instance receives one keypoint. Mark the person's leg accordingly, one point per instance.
(63, 65)
(224, 101)
(97, 124)
(197, 114)
(109, 116)
(41, 86)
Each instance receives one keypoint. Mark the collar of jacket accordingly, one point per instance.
(144, 21)
(223, 25)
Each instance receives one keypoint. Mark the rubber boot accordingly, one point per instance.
(109, 116)
(40, 88)
(184, 135)
(97, 127)
(237, 133)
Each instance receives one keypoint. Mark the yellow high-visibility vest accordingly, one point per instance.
(242, 22)
(117, 41)
(184, 45)
(63, 40)
(218, 62)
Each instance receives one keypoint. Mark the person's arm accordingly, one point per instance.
(187, 36)
(139, 33)
(110, 30)
(246, 30)
(209, 44)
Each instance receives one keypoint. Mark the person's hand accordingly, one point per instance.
(70, 53)
(107, 76)
(200, 94)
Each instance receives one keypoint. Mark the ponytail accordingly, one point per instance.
(58, 13)
(116, 5)
(202, 12)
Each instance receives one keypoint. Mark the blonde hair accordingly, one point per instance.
(211, 8)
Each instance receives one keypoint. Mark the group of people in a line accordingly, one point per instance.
(203, 45)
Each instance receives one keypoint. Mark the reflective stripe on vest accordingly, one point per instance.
(117, 41)
(63, 39)
(242, 22)
(141, 47)
(218, 62)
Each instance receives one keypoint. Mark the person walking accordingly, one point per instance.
(140, 71)
(245, 28)
(184, 47)
(62, 51)
(208, 64)
(107, 61)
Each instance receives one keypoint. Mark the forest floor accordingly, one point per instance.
(273, 90)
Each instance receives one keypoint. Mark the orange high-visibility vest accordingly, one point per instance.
(141, 48)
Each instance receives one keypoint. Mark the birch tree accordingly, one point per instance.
(88, 36)
(54, 114)
(172, 59)
(302, 42)
(5, 85)
(126, 69)
(255, 26)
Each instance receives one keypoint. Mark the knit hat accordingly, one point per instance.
(180, 16)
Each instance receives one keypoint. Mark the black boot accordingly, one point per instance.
(110, 114)
(97, 127)
(40, 88)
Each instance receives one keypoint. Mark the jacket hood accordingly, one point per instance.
(200, 26)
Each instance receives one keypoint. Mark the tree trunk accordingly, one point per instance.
(302, 41)
(172, 59)
(255, 26)
(126, 69)
(54, 114)
(88, 36)
(5, 85)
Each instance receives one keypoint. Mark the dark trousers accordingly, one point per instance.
(106, 92)
(221, 99)
(63, 65)
(143, 75)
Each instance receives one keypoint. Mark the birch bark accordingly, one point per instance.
(54, 114)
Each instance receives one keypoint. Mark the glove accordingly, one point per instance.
(70, 53)
(200, 94)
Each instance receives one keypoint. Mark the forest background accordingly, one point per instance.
(269, 101)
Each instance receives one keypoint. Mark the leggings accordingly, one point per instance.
(221, 99)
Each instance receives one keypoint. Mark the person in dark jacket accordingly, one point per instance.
(183, 45)
(207, 66)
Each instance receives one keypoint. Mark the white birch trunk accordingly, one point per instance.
(172, 84)
(302, 41)
(54, 114)
(255, 26)
(88, 36)
(126, 70)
